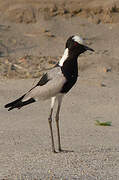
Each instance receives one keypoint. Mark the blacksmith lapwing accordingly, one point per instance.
(55, 83)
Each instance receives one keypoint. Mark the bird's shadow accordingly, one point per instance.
(64, 151)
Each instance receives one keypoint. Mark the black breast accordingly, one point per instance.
(68, 85)
(70, 71)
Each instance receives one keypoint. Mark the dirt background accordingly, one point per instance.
(33, 33)
(32, 40)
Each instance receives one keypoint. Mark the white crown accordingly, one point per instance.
(78, 39)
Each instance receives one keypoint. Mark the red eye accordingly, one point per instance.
(75, 44)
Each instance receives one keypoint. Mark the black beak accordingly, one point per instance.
(88, 48)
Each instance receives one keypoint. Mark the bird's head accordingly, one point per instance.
(75, 45)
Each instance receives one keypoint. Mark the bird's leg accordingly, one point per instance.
(51, 131)
(50, 123)
(57, 121)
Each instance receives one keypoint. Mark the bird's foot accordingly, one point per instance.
(65, 151)
(54, 151)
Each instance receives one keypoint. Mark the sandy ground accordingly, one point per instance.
(25, 144)
(93, 151)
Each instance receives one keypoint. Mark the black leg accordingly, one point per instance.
(57, 122)
(51, 131)
(50, 123)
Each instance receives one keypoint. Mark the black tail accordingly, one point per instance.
(18, 103)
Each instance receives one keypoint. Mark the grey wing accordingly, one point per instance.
(49, 85)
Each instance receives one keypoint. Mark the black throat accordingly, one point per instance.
(70, 71)
(70, 68)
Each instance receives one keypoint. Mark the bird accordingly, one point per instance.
(55, 83)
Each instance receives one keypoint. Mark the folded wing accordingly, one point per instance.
(49, 85)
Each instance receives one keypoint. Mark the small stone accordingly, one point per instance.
(46, 30)
(50, 35)
(107, 69)
(103, 84)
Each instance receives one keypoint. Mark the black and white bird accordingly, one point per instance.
(55, 83)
